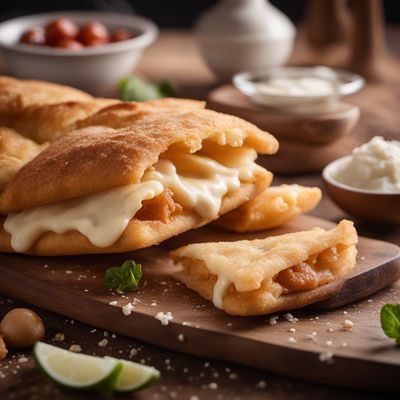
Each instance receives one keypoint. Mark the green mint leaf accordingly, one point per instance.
(132, 88)
(123, 278)
(390, 321)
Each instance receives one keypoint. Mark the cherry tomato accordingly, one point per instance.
(33, 36)
(94, 34)
(61, 28)
(119, 35)
(69, 44)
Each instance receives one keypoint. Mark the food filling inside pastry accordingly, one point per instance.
(177, 181)
(251, 277)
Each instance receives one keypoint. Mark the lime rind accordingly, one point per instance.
(140, 376)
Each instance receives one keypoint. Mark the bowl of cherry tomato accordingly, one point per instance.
(85, 49)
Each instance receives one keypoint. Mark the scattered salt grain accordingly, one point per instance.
(75, 348)
(261, 385)
(103, 343)
(59, 337)
(181, 337)
(133, 352)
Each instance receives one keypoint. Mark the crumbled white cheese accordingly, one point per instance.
(273, 320)
(113, 303)
(127, 309)
(347, 325)
(261, 385)
(289, 317)
(292, 330)
(291, 339)
(326, 356)
(164, 318)
(328, 343)
(22, 360)
(213, 385)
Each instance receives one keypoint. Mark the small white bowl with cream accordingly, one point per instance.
(367, 183)
(298, 89)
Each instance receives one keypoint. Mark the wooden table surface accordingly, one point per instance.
(175, 56)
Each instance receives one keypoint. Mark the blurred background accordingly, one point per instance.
(166, 13)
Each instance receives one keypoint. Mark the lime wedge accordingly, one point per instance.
(77, 371)
(134, 376)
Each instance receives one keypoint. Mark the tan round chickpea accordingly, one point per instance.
(21, 327)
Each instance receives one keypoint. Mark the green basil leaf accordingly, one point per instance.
(390, 321)
(123, 278)
(132, 88)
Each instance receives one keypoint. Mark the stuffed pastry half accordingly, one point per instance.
(273, 207)
(253, 277)
(101, 190)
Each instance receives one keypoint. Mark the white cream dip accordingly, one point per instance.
(373, 166)
(299, 87)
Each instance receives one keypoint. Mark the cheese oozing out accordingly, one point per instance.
(197, 181)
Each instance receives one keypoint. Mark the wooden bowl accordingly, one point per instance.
(366, 205)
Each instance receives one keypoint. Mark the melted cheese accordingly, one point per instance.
(198, 182)
(101, 217)
(201, 184)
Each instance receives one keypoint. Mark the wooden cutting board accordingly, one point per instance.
(73, 286)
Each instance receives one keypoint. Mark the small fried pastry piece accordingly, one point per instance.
(273, 207)
(253, 277)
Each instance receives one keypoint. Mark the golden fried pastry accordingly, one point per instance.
(252, 277)
(273, 207)
(15, 151)
(124, 114)
(87, 188)
(16, 95)
(44, 111)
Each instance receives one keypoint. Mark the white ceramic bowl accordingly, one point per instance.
(94, 69)
(345, 83)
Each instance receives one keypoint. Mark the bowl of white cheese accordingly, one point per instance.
(366, 184)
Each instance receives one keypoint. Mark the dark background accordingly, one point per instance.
(166, 13)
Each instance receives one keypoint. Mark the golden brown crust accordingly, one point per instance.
(252, 268)
(138, 234)
(16, 95)
(48, 122)
(274, 207)
(124, 114)
(97, 159)
(15, 151)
